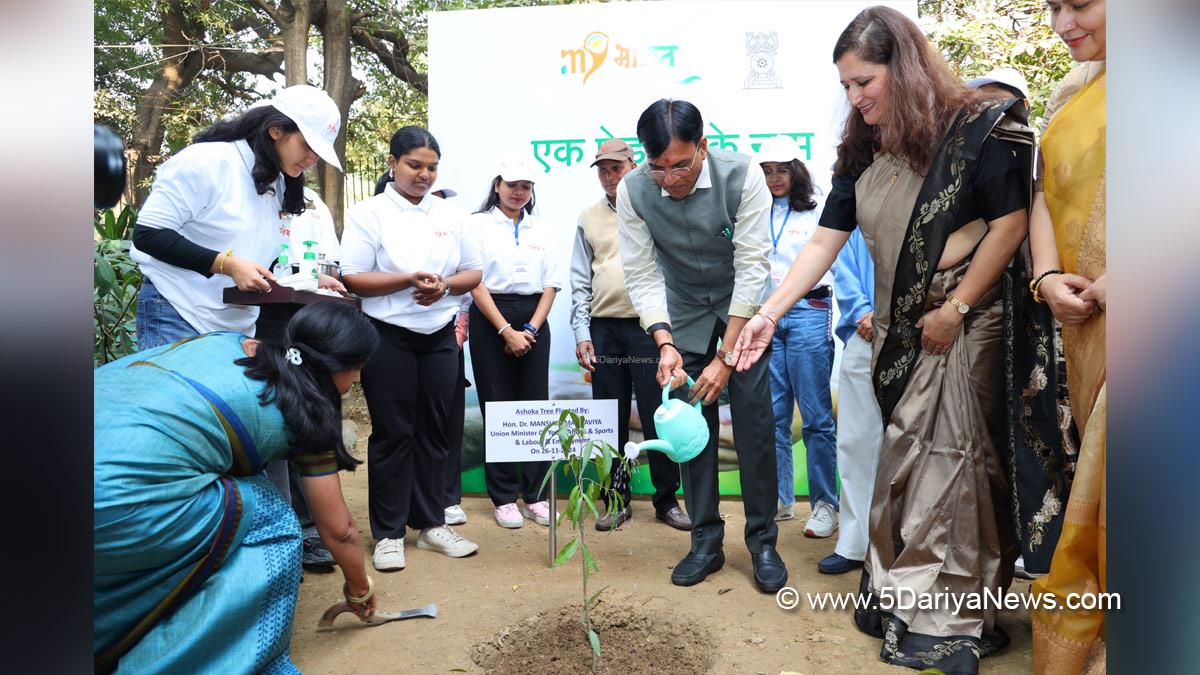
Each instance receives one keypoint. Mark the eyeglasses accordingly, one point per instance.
(677, 172)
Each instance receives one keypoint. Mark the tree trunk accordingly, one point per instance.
(294, 19)
(183, 62)
(342, 87)
(179, 67)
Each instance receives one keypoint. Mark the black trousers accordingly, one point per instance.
(454, 435)
(754, 436)
(408, 396)
(500, 377)
(626, 364)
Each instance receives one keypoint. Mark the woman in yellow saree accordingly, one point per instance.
(1067, 234)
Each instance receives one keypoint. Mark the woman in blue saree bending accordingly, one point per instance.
(197, 557)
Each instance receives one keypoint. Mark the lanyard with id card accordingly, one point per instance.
(522, 266)
(778, 269)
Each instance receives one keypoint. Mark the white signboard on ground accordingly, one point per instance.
(513, 428)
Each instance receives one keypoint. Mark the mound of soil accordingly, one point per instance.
(631, 641)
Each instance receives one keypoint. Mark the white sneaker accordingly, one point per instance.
(455, 515)
(445, 540)
(785, 511)
(389, 555)
(822, 522)
(508, 516)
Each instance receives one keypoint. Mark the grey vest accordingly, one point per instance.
(693, 245)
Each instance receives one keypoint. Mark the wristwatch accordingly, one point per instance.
(961, 306)
(726, 357)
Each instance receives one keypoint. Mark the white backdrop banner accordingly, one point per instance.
(550, 84)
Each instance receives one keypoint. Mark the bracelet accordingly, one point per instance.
(360, 600)
(768, 318)
(221, 265)
(504, 328)
(1036, 284)
(668, 344)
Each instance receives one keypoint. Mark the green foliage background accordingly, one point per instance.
(976, 36)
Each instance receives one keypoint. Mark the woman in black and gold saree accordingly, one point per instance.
(938, 178)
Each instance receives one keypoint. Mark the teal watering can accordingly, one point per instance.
(682, 430)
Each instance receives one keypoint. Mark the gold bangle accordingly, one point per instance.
(221, 265)
(367, 596)
(768, 318)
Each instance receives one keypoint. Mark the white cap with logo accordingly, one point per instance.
(317, 116)
(777, 149)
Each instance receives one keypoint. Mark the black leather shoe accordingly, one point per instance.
(695, 567)
(836, 564)
(770, 574)
(676, 518)
(613, 519)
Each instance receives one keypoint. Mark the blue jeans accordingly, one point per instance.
(157, 321)
(801, 365)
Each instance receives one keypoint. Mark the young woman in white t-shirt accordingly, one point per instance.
(405, 252)
(509, 334)
(802, 349)
(216, 211)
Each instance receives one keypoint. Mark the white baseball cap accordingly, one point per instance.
(1009, 77)
(315, 114)
(515, 169)
(778, 149)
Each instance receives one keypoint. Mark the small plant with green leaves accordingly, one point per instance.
(578, 453)
(116, 280)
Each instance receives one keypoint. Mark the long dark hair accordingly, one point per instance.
(800, 198)
(493, 198)
(923, 93)
(253, 127)
(331, 338)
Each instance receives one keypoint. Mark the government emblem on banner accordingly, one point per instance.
(762, 48)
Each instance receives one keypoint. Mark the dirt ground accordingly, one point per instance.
(508, 582)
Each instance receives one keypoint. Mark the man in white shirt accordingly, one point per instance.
(609, 343)
(694, 243)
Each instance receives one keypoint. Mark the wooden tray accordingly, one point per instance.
(283, 295)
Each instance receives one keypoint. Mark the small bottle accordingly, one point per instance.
(282, 267)
(308, 265)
